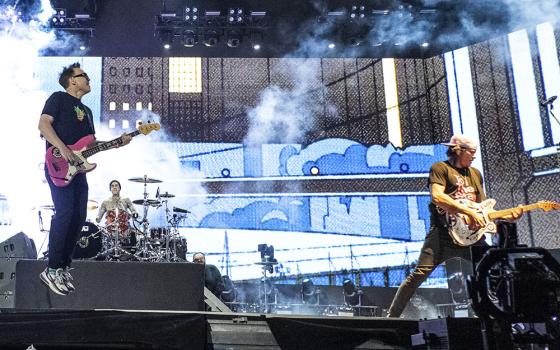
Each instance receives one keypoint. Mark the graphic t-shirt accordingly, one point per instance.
(72, 119)
(459, 184)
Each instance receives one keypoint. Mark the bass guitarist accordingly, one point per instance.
(65, 120)
(448, 181)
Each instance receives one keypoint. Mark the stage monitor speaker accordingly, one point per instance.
(115, 285)
(17, 247)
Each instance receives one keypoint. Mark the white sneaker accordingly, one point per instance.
(68, 279)
(55, 281)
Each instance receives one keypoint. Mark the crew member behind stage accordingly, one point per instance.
(64, 121)
(116, 202)
(212, 276)
(448, 181)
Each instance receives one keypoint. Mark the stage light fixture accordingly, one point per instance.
(166, 39)
(189, 38)
(234, 39)
(256, 40)
(355, 41)
(309, 292)
(352, 295)
(331, 46)
(211, 38)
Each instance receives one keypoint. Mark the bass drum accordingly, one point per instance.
(89, 242)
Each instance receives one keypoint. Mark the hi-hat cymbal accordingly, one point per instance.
(152, 202)
(92, 205)
(167, 195)
(144, 179)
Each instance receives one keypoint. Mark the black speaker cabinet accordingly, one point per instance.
(17, 247)
(115, 285)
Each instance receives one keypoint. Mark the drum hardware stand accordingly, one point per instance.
(145, 253)
(266, 266)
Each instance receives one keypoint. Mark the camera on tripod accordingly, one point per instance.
(515, 285)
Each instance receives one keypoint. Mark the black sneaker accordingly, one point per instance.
(67, 277)
(55, 281)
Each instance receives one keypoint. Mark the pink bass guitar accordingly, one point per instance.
(61, 172)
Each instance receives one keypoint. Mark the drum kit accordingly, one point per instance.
(132, 238)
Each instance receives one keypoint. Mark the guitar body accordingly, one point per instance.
(62, 173)
(459, 226)
(59, 170)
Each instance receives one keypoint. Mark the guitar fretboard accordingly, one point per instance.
(504, 212)
(106, 145)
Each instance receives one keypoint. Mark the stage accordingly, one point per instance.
(128, 329)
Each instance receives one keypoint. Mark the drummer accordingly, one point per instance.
(116, 202)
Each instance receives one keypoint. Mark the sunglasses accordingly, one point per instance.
(81, 75)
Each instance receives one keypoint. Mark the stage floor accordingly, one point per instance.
(128, 329)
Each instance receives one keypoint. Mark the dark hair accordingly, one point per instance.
(66, 74)
(111, 184)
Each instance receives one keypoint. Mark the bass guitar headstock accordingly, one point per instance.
(148, 127)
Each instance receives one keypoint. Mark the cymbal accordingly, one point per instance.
(152, 202)
(167, 195)
(92, 205)
(47, 207)
(146, 179)
(180, 210)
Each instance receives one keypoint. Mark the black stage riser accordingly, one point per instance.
(15, 248)
(115, 285)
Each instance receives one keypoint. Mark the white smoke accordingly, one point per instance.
(151, 155)
(21, 178)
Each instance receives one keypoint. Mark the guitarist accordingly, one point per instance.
(448, 181)
(64, 120)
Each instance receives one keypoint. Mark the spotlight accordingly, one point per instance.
(425, 44)
(189, 38)
(309, 292)
(352, 295)
(331, 46)
(210, 38)
(166, 39)
(234, 39)
(256, 40)
(355, 42)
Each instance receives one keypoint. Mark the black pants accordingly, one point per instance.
(438, 247)
(70, 204)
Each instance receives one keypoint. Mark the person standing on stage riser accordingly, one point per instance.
(64, 120)
(212, 276)
(116, 201)
(448, 181)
